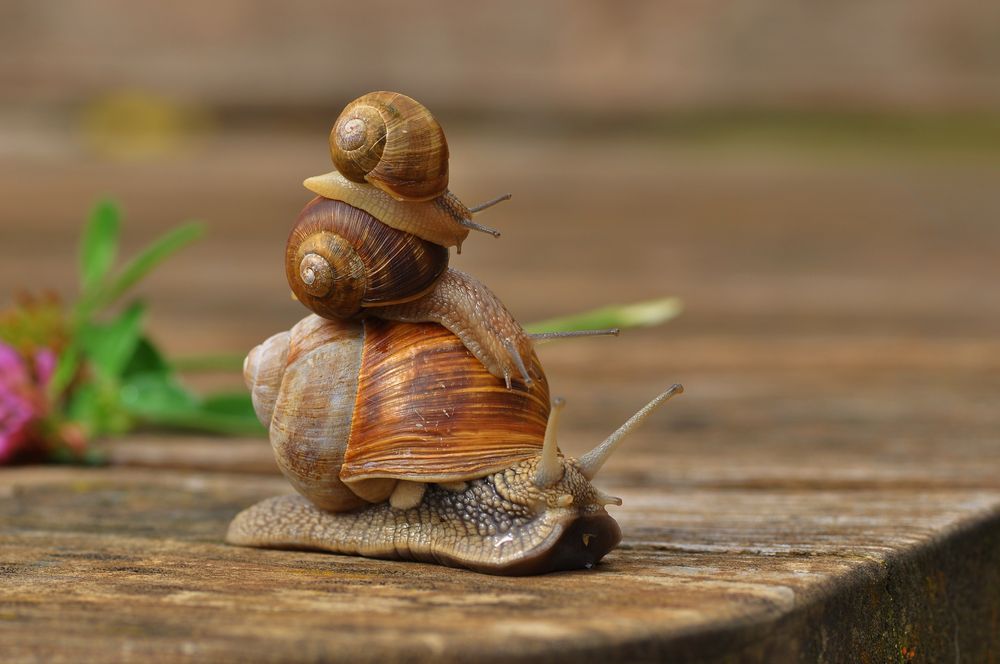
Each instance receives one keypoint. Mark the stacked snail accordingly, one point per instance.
(410, 411)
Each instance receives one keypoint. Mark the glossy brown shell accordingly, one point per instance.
(432, 413)
(354, 406)
(340, 259)
(393, 142)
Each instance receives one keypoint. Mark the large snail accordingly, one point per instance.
(403, 446)
(375, 242)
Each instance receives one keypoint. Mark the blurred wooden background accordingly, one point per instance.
(819, 183)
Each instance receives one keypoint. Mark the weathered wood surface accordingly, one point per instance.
(127, 564)
(827, 489)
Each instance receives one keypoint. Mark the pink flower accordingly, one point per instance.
(22, 397)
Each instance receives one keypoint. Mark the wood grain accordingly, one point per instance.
(827, 488)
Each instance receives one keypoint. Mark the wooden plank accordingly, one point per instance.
(123, 564)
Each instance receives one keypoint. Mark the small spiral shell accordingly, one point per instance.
(340, 259)
(393, 142)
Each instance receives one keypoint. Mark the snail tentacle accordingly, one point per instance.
(591, 462)
(490, 203)
(549, 336)
(550, 470)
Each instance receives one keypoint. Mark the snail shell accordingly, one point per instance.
(393, 142)
(339, 259)
(355, 406)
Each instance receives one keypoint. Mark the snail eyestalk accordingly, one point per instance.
(549, 469)
(591, 462)
(549, 336)
(468, 223)
(490, 203)
(606, 499)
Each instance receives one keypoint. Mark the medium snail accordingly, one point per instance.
(403, 446)
(341, 262)
(375, 241)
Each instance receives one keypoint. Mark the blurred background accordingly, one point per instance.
(819, 182)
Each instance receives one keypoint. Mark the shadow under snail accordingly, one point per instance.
(375, 241)
(402, 446)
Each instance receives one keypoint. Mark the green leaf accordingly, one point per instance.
(145, 395)
(207, 421)
(639, 314)
(195, 363)
(85, 407)
(110, 346)
(66, 368)
(140, 266)
(146, 358)
(99, 244)
(95, 407)
(160, 401)
(232, 403)
(152, 256)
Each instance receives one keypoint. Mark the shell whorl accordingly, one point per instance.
(393, 142)
(340, 259)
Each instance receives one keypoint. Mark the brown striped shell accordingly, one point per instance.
(393, 142)
(435, 220)
(339, 259)
(354, 406)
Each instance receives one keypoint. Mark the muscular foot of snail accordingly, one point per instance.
(475, 315)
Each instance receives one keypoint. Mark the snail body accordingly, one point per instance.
(402, 445)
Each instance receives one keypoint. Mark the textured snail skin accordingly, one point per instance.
(470, 311)
(499, 524)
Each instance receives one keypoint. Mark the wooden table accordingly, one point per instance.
(827, 489)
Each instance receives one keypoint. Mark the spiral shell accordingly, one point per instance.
(355, 406)
(339, 259)
(393, 142)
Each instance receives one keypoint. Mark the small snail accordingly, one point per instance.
(403, 446)
(393, 143)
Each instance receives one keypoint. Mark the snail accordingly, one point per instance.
(392, 143)
(374, 243)
(341, 262)
(402, 446)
